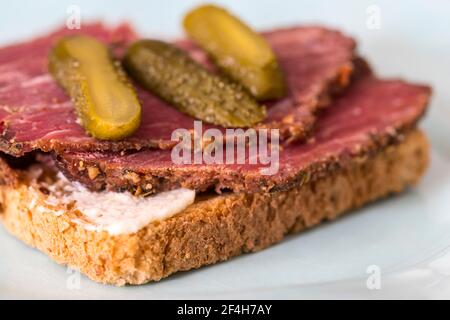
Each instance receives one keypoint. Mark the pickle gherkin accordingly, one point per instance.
(239, 51)
(170, 73)
(106, 102)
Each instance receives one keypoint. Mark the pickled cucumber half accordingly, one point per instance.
(106, 102)
(239, 51)
(171, 74)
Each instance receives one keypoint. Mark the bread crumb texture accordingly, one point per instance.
(214, 228)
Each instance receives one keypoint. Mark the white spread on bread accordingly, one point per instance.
(123, 213)
(114, 212)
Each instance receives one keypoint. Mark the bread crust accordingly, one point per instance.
(214, 228)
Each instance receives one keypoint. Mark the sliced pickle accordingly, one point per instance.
(239, 51)
(172, 75)
(106, 102)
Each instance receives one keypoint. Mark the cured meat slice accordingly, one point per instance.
(369, 116)
(36, 114)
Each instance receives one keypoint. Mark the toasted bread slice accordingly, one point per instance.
(214, 228)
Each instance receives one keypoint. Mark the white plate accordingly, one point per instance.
(406, 238)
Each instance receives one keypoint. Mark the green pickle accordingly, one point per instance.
(174, 76)
(106, 102)
(240, 52)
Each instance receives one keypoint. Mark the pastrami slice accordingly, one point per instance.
(36, 114)
(371, 115)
